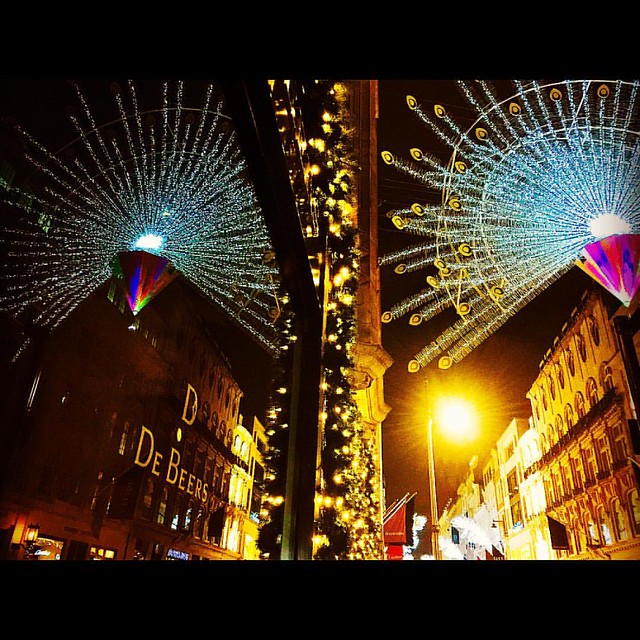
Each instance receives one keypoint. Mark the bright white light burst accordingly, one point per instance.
(520, 196)
(169, 179)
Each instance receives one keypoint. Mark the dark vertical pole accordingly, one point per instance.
(251, 110)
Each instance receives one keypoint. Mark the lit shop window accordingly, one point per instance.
(98, 553)
(48, 549)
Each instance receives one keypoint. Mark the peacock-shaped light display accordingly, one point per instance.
(156, 190)
(543, 180)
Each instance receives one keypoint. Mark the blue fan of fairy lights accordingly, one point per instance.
(169, 181)
(536, 178)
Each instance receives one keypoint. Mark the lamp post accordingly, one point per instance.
(433, 499)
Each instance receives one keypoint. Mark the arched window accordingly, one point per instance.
(559, 430)
(560, 373)
(569, 419)
(582, 347)
(593, 330)
(581, 408)
(606, 377)
(592, 392)
(552, 387)
(571, 365)
(603, 525)
(592, 531)
(545, 402)
(620, 527)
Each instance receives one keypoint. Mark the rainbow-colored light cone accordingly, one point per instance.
(143, 276)
(613, 262)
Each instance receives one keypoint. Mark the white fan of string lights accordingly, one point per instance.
(543, 180)
(166, 182)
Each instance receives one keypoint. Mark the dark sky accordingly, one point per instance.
(496, 375)
(500, 370)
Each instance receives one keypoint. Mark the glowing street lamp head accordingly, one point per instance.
(456, 417)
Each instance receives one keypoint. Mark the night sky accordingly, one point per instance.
(496, 375)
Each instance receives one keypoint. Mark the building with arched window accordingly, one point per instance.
(587, 461)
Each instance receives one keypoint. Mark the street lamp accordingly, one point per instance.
(455, 415)
(433, 498)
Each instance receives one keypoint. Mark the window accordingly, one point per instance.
(592, 392)
(552, 387)
(582, 347)
(581, 408)
(147, 500)
(620, 528)
(560, 429)
(571, 365)
(568, 416)
(123, 438)
(560, 373)
(593, 330)
(606, 378)
(603, 525)
(545, 403)
(162, 507)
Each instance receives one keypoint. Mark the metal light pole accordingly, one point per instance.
(433, 499)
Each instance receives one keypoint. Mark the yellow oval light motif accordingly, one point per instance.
(418, 209)
(463, 309)
(416, 154)
(439, 110)
(481, 134)
(413, 366)
(433, 281)
(398, 222)
(386, 317)
(603, 91)
(555, 94)
(445, 362)
(515, 109)
(412, 103)
(401, 268)
(497, 292)
(439, 263)
(387, 157)
(460, 166)
(464, 249)
(454, 203)
(415, 319)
